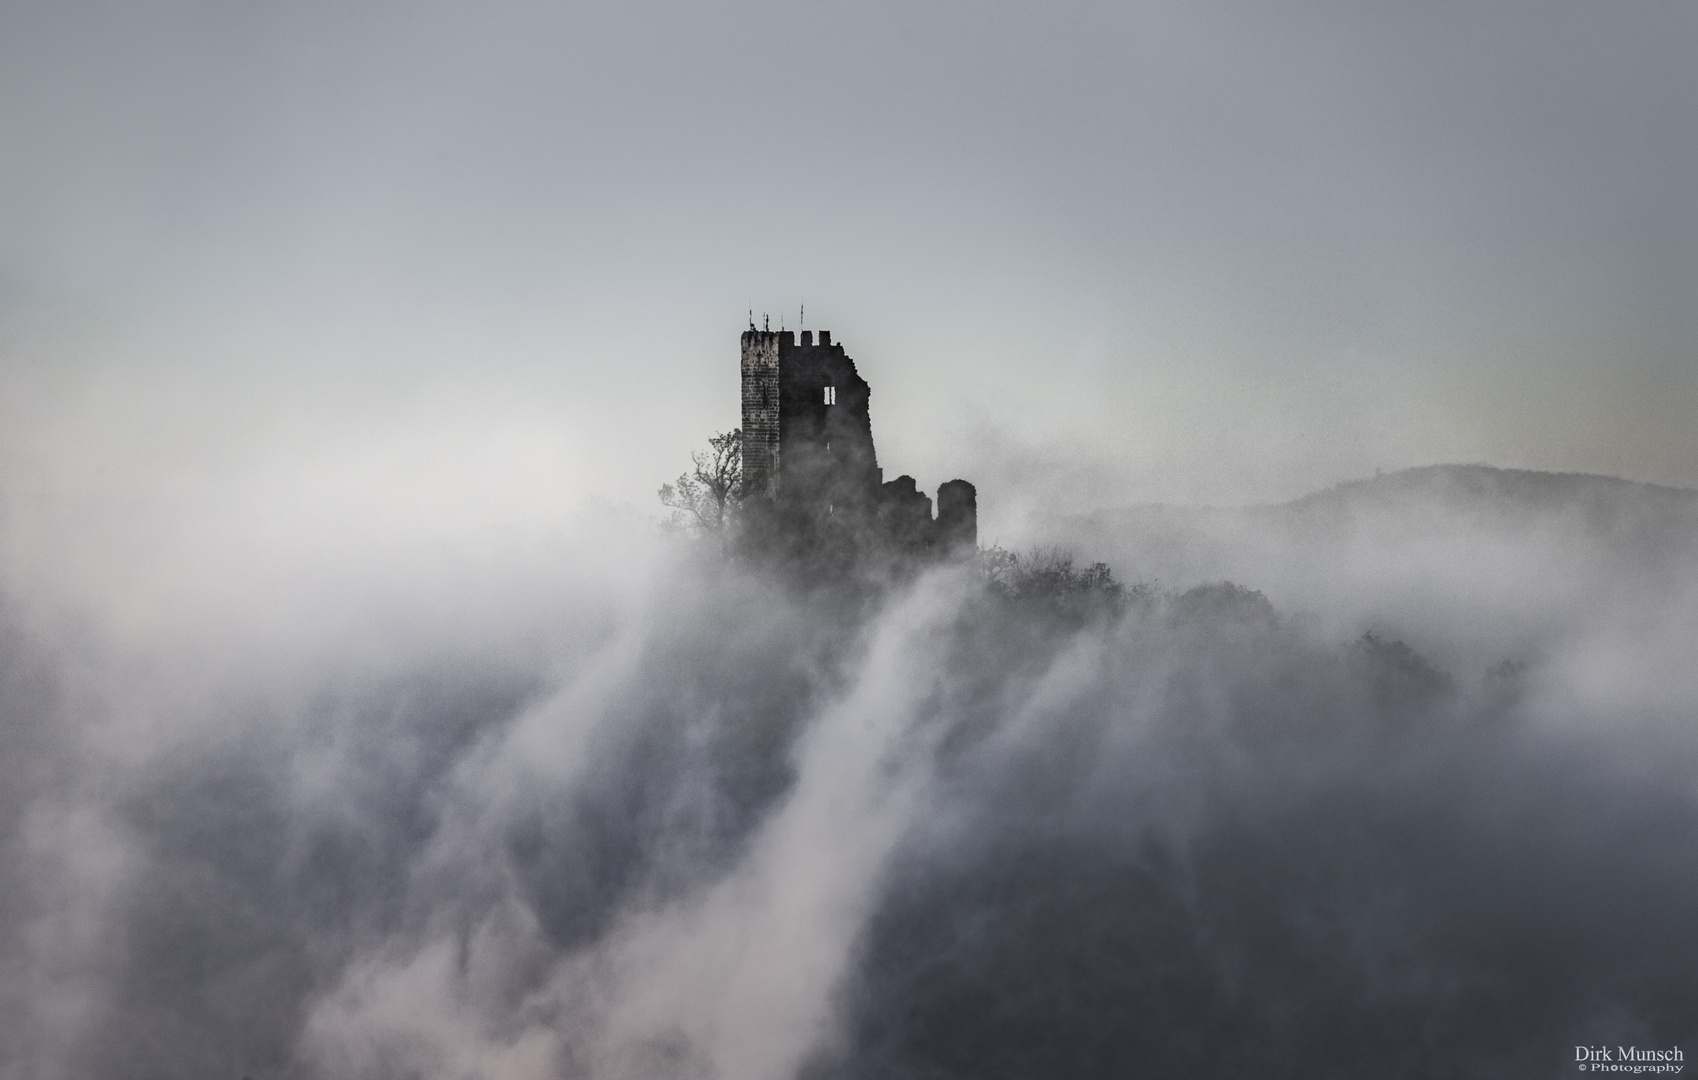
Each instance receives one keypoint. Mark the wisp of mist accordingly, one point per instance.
(289, 796)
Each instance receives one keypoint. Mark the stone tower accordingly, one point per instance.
(808, 456)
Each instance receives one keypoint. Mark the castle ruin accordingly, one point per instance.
(809, 467)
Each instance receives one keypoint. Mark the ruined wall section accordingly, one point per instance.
(811, 472)
(761, 440)
(827, 459)
(957, 525)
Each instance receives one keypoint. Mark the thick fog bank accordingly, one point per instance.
(618, 809)
(1469, 562)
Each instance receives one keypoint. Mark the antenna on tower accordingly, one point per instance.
(802, 319)
(751, 318)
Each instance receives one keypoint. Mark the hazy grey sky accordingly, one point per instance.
(1189, 251)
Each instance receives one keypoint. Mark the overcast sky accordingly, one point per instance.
(1182, 251)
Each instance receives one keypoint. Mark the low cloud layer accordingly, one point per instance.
(591, 804)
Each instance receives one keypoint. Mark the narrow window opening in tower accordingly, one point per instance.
(831, 395)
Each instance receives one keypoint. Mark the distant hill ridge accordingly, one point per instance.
(1437, 522)
(1521, 488)
(1458, 486)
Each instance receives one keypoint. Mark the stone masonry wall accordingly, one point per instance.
(809, 464)
(760, 413)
